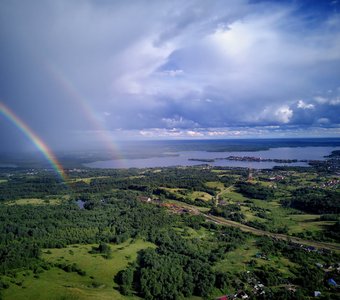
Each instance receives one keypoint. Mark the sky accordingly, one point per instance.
(91, 73)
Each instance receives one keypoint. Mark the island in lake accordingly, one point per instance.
(250, 158)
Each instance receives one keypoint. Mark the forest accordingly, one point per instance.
(169, 209)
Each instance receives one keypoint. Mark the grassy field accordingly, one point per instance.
(96, 284)
(307, 222)
(190, 233)
(87, 179)
(232, 196)
(179, 192)
(201, 195)
(238, 260)
(34, 201)
(215, 185)
(176, 191)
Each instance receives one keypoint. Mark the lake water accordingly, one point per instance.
(182, 158)
(3, 165)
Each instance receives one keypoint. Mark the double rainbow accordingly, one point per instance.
(34, 138)
(84, 106)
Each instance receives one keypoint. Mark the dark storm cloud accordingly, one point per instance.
(190, 68)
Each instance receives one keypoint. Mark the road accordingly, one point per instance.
(245, 228)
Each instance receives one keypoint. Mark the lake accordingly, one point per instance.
(182, 158)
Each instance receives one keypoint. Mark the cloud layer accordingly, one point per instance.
(171, 68)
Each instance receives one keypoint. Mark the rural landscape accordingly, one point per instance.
(170, 150)
(190, 232)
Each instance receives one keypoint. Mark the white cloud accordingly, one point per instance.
(272, 114)
(173, 73)
(194, 133)
(239, 132)
(320, 100)
(303, 105)
(283, 114)
(323, 121)
(225, 133)
(178, 121)
(335, 101)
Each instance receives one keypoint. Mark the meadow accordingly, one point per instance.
(56, 283)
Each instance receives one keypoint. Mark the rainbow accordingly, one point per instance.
(83, 104)
(36, 140)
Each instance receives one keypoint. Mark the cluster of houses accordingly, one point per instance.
(276, 178)
(31, 173)
(329, 267)
(238, 295)
(75, 170)
(330, 282)
(258, 289)
(310, 248)
(333, 183)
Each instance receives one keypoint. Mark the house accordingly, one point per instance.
(277, 178)
(332, 282)
(241, 295)
(144, 199)
(259, 289)
(291, 288)
(259, 286)
(317, 294)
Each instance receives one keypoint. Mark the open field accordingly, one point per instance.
(215, 185)
(231, 196)
(86, 179)
(96, 284)
(200, 195)
(192, 196)
(313, 226)
(239, 259)
(34, 201)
